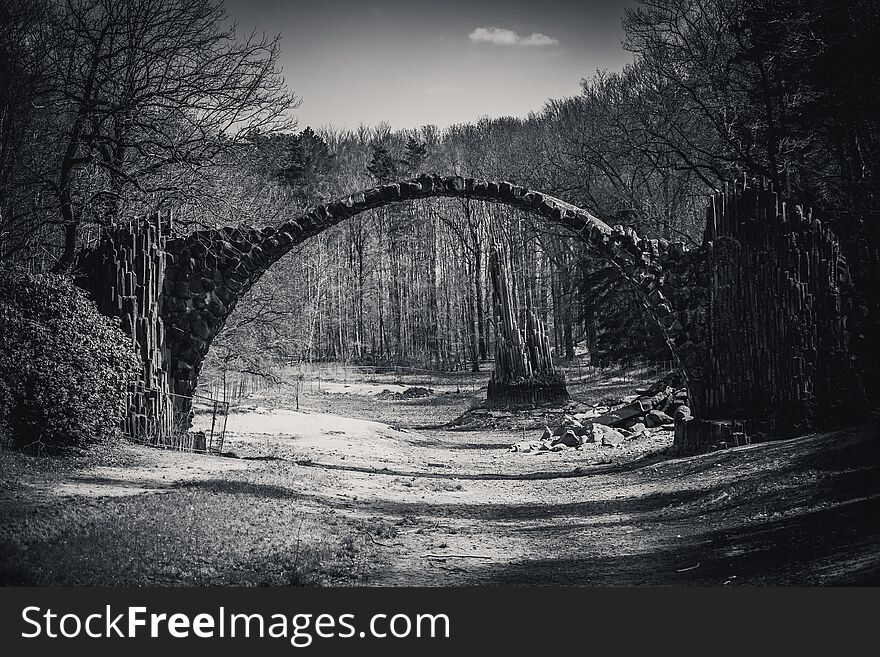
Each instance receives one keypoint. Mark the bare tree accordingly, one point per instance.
(141, 98)
(19, 67)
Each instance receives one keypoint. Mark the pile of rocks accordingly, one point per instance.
(416, 391)
(654, 409)
(410, 393)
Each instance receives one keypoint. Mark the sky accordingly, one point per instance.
(410, 63)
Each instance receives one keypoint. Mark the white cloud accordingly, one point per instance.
(538, 39)
(501, 36)
(494, 35)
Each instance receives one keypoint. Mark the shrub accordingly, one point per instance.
(64, 367)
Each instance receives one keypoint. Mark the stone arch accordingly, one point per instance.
(208, 271)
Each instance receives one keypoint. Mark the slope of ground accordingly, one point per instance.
(360, 487)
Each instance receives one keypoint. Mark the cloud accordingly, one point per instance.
(538, 39)
(500, 36)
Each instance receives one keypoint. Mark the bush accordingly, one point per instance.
(64, 367)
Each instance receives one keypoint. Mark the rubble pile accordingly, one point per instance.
(410, 393)
(652, 410)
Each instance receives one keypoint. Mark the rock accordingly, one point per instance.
(637, 428)
(201, 329)
(612, 438)
(569, 439)
(631, 422)
(657, 418)
(568, 422)
(661, 399)
(616, 417)
(547, 434)
(671, 380)
(683, 413)
(607, 436)
(674, 396)
(526, 446)
(672, 408)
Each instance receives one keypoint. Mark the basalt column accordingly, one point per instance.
(123, 274)
(777, 355)
(524, 373)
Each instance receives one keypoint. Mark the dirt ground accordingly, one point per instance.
(400, 499)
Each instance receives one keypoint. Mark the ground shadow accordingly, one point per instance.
(239, 487)
(585, 470)
(836, 546)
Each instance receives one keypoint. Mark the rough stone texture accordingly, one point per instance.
(632, 411)
(769, 340)
(773, 325)
(569, 439)
(657, 418)
(607, 436)
(568, 423)
(124, 276)
(694, 435)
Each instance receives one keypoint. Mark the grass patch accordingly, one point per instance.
(225, 532)
(440, 486)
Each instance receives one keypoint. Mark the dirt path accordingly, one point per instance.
(389, 498)
(468, 511)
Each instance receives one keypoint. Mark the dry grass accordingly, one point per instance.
(216, 532)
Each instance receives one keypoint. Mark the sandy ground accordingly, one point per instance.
(463, 510)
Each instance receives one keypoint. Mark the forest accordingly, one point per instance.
(240, 350)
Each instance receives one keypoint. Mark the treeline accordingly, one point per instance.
(409, 284)
(111, 109)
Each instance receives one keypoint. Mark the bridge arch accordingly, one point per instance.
(208, 271)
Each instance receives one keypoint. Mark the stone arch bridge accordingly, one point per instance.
(175, 293)
(208, 271)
